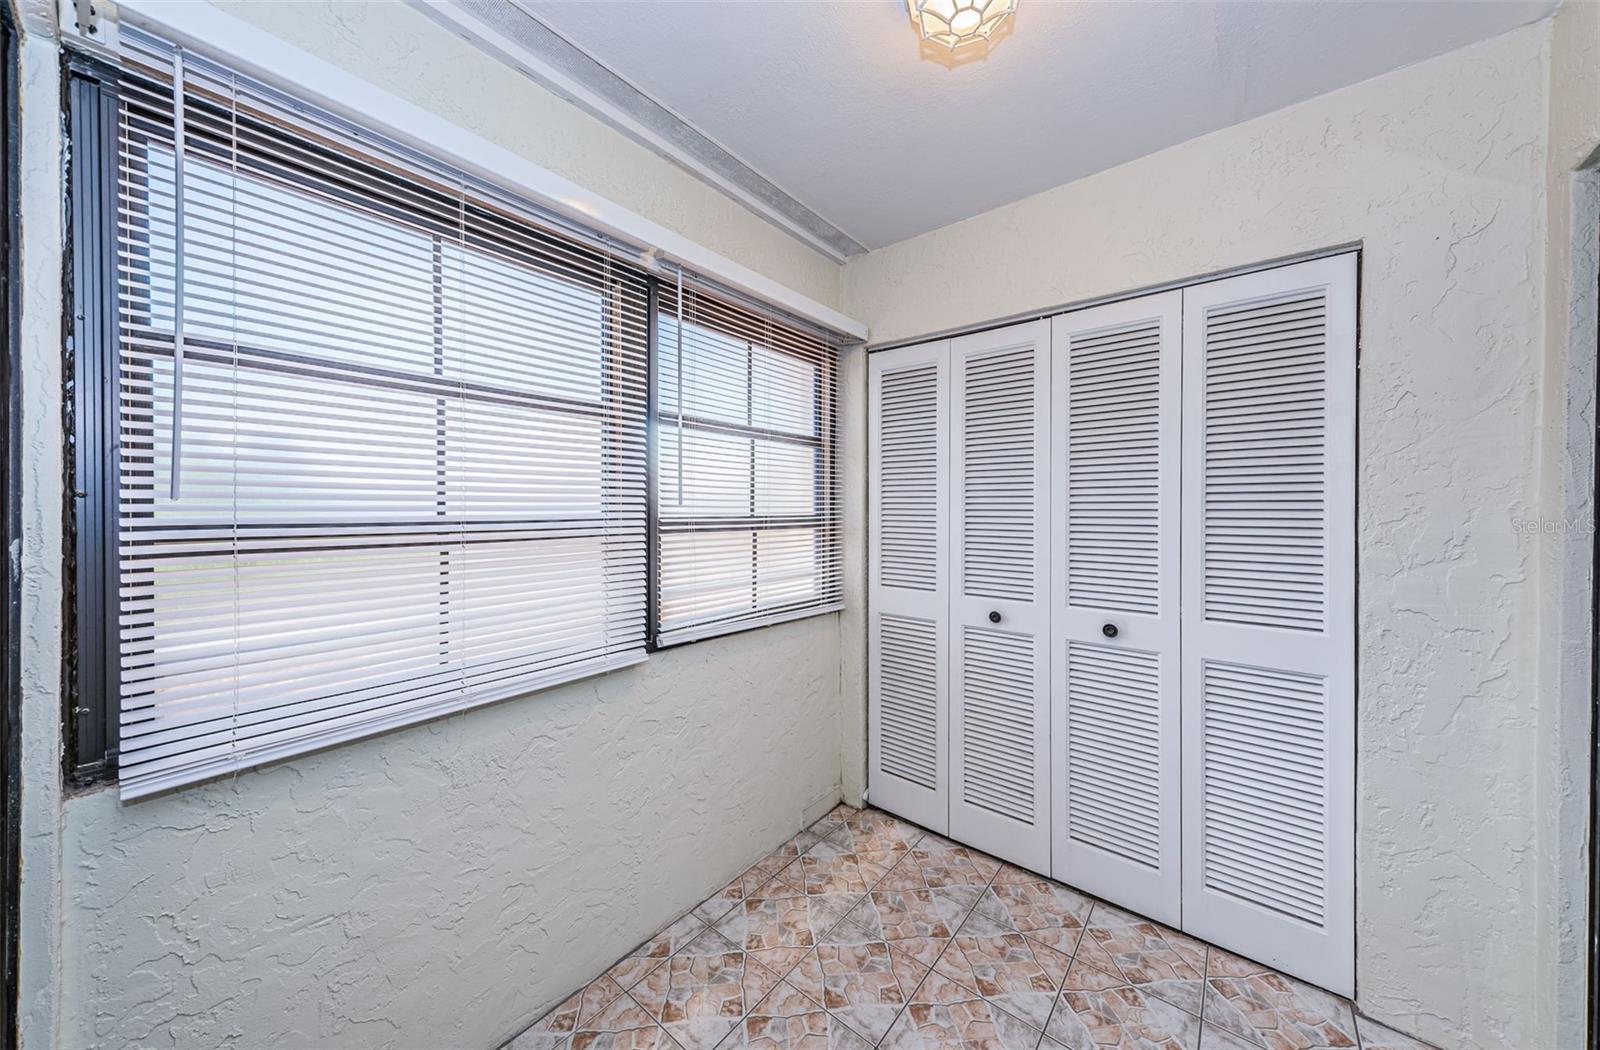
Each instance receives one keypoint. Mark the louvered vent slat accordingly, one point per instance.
(1264, 488)
(997, 533)
(1264, 785)
(908, 698)
(1114, 751)
(997, 722)
(1113, 469)
(908, 481)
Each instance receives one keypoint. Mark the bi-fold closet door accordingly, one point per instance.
(1115, 459)
(1111, 590)
(958, 675)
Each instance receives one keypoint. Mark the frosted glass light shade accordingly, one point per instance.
(957, 23)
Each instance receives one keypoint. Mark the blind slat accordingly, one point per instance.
(382, 440)
(749, 519)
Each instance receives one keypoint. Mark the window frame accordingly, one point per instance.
(11, 476)
(92, 95)
(826, 487)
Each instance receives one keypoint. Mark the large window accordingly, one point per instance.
(748, 520)
(380, 443)
(359, 440)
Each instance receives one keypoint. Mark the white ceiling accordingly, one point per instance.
(832, 102)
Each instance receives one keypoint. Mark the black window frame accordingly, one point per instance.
(11, 485)
(90, 715)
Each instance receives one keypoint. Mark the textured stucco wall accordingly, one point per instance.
(440, 885)
(1439, 170)
(40, 358)
(1567, 506)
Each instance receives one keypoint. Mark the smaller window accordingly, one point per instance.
(747, 512)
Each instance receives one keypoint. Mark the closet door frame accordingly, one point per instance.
(1024, 844)
(1097, 866)
(894, 793)
(1324, 953)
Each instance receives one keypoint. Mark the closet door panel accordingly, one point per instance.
(1114, 602)
(908, 594)
(999, 732)
(1269, 617)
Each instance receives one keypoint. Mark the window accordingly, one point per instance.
(359, 439)
(747, 506)
(379, 438)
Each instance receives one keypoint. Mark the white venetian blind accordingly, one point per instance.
(747, 500)
(382, 435)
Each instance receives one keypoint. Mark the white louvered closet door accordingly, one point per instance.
(1114, 622)
(999, 610)
(1268, 617)
(907, 591)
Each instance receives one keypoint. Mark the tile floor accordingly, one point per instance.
(865, 931)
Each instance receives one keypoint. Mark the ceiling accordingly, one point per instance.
(832, 102)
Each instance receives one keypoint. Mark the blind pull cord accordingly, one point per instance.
(178, 152)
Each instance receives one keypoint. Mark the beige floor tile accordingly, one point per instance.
(788, 1020)
(644, 958)
(855, 982)
(555, 1028)
(1008, 970)
(702, 991)
(1097, 1009)
(1279, 1012)
(944, 1014)
(623, 1025)
(1160, 961)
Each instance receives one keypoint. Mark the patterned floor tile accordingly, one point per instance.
(1375, 1036)
(1015, 974)
(644, 958)
(1214, 1038)
(813, 837)
(1045, 911)
(1097, 1009)
(944, 1014)
(1011, 873)
(700, 993)
(1159, 961)
(789, 1020)
(761, 923)
(556, 1027)
(944, 865)
(876, 864)
(864, 926)
(624, 1025)
(1279, 1012)
(830, 872)
(871, 830)
(858, 983)
(720, 903)
(775, 866)
(920, 921)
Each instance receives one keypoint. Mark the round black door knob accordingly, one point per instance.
(994, 617)
(1109, 630)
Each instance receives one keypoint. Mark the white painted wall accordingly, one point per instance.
(1567, 463)
(441, 885)
(1439, 170)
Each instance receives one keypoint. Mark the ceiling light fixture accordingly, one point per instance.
(958, 23)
